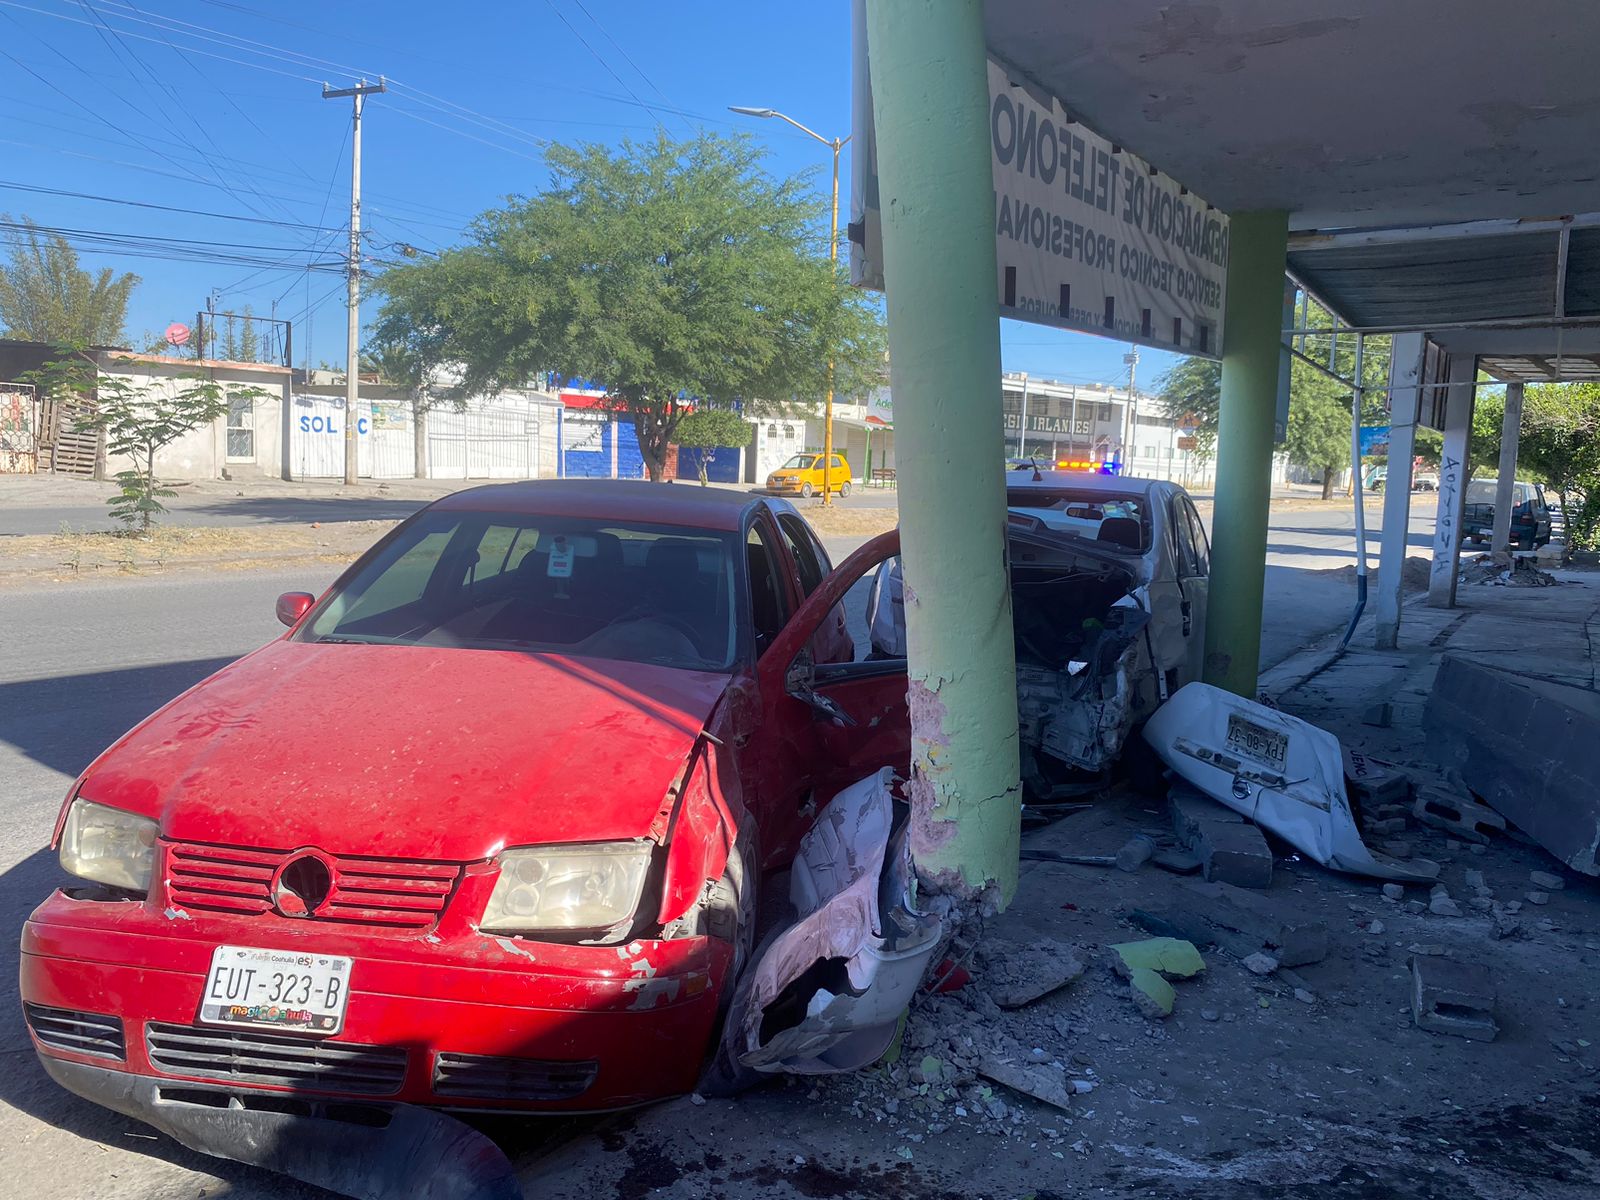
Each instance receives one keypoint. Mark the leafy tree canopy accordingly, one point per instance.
(46, 297)
(677, 273)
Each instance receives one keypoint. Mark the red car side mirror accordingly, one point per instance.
(294, 605)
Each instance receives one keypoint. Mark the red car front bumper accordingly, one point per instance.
(465, 1022)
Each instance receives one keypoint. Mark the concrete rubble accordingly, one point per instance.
(1452, 997)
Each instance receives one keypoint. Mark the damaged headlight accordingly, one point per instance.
(108, 845)
(569, 888)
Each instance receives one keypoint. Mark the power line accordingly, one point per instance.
(11, 185)
(463, 133)
(626, 57)
(609, 70)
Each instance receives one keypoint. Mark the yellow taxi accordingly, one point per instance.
(802, 475)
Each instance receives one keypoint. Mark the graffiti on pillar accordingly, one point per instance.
(1445, 523)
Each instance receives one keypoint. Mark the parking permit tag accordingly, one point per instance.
(560, 559)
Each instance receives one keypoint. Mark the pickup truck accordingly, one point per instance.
(1530, 514)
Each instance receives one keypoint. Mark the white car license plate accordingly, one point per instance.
(281, 990)
(1265, 745)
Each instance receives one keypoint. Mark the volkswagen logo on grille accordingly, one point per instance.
(302, 885)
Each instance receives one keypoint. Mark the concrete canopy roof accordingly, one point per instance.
(1361, 116)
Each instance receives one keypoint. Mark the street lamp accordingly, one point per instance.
(836, 145)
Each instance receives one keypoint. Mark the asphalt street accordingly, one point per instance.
(81, 662)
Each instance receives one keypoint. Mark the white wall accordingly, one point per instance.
(203, 453)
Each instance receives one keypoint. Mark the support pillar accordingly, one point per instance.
(1405, 380)
(1252, 337)
(1452, 482)
(1505, 491)
(930, 96)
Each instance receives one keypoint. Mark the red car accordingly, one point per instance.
(481, 831)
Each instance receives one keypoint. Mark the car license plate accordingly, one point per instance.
(1265, 745)
(282, 990)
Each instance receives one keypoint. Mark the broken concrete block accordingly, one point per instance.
(1446, 809)
(1505, 925)
(1480, 903)
(1538, 897)
(1024, 974)
(1474, 879)
(1169, 956)
(1394, 891)
(1236, 854)
(1443, 906)
(1546, 881)
(1396, 848)
(1152, 995)
(1135, 852)
(1386, 826)
(1529, 747)
(1454, 998)
(1260, 964)
(1304, 996)
(1380, 715)
(1415, 908)
(1046, 1084)
(1375, 781)
(1229, 848)
(1230, 907)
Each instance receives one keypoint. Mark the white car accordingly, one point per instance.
(1109, 576)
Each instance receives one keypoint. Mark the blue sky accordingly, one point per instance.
(216, 106)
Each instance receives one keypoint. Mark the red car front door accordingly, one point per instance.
(823, 726)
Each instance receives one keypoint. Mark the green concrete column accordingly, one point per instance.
(1251, 341)
(931, 109)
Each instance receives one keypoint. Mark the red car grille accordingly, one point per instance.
(366, 891)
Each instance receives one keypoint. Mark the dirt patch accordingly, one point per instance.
(836, 520)
(1413, 576)
(71, 555)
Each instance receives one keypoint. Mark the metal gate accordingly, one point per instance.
(483, 443)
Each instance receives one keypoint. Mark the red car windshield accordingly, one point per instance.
(521, 581)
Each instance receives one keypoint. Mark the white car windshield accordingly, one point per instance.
(1120, 520)
(521, 581)
(800, 462)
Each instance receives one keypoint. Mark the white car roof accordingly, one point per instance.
(1089, 481)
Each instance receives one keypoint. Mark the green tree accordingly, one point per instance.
(1318, 435)
(1192, 391)
(1560, 446)
(249, 340)
(705, 429)
(682, 275)
(46, 297)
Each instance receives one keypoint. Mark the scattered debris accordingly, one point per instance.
(1441, 905)
(1520, 572)
(1394, 891)
(1546, 881)
(1451, 997)
(1179, 862)
(1380, 715)
(1283, 773)
(1538, 897)
(1019, 979)
(1260, 964)
(1304, 996)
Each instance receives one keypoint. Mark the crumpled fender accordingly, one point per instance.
(1302, 799)
(828, 993)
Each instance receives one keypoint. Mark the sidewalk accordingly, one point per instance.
(1250, 1088)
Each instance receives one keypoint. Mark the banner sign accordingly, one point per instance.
(1374, 439)
(1087, 235)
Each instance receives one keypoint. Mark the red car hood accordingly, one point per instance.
(410, 751)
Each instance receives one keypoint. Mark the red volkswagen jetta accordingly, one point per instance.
(481, 831)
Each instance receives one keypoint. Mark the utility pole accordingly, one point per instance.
(1132, 359)
(352, 362)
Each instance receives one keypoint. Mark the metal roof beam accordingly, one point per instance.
(1313, 239)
